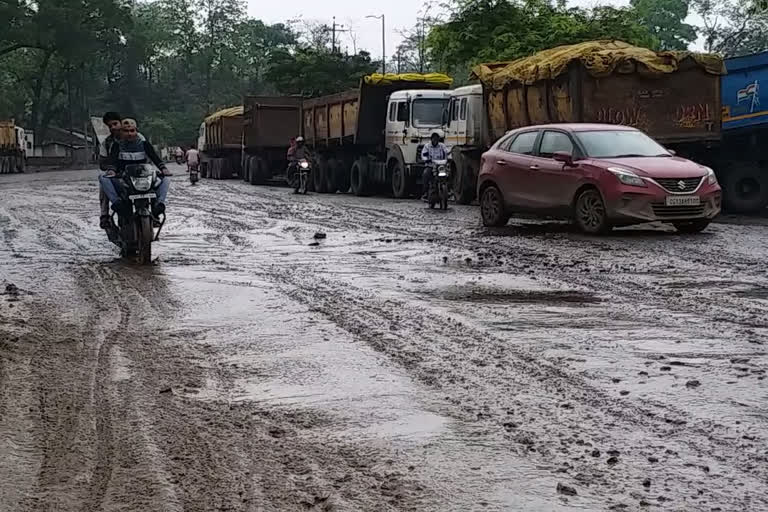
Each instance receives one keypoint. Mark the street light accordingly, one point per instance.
(383, 42)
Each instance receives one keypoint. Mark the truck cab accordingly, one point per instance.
(412, 117)
(464, 120)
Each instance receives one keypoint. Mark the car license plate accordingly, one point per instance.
(151, 195)
(683, 200)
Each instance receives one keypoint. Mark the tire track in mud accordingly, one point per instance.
(483, 378)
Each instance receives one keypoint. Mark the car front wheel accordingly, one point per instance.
(696, 226)
(492, 207)
(590, 213)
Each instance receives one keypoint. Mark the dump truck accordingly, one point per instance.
(744, 154)
(222, 143)
(269, 123)
(370, 138)
(672, 96)
(13, 148)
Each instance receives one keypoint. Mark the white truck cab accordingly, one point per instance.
(412, 117)
(464, 121)
(465, 125)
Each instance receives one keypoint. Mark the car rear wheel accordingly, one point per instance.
(590, 213)
(696, 226)
(492, 207)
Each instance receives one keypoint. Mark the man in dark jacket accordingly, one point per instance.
(132, 148)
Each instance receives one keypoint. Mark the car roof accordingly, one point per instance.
(577, 127)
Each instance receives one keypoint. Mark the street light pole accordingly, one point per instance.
(383, 42)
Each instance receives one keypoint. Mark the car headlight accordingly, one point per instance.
(711, 178)
(142, 184)
(627, 177)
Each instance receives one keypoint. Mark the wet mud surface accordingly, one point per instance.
(408, 360)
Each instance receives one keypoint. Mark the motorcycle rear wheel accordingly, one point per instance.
(145, 234)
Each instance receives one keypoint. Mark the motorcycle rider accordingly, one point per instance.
(296, 153)
(114, 122)
(133, 149)
(179, 153)
(435, 150)
(193, 158)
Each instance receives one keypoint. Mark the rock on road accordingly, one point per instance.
(409, 360)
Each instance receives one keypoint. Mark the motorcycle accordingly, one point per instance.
(179, 159)
(194, 174)
(136, 228)
(298, 175)
(438, 188)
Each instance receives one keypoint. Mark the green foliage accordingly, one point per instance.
(733, 27)
(167, 62)
(664, 19)
(493, 30)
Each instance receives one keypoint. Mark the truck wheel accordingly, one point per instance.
(359, 177)
(203, 169)
(20, 165)
(396, 170)
(745, 187)
(253, 171)
(464, 183)
(319, 170)
(331, 170)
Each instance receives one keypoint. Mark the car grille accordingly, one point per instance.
(663, 211)
(679, 185)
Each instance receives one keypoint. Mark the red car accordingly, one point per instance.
(601, 176)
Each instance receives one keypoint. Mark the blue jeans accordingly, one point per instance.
(111, 185)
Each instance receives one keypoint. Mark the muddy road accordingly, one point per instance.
(409, 360)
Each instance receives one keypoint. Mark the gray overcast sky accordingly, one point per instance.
(399, 14)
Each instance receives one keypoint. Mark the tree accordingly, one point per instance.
(493, 30)
(733, 27)
(664, 19)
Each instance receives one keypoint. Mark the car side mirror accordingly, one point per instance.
(562, 156)
(671, 152)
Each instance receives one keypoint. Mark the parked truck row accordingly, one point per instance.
(369, 140)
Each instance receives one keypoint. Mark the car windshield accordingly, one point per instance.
(429, 112)
(619, 144)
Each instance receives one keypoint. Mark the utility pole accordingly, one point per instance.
(383, 42)
(333, 34)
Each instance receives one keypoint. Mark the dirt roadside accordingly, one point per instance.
(410, 361)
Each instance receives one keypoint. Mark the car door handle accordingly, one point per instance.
(534, 167)
(501, 162)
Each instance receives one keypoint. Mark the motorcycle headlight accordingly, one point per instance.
(304, 165)
(711, 178)
(142, 184)
(627, 177)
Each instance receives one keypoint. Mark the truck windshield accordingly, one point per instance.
(619, 144)
(428, 112)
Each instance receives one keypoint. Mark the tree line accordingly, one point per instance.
(170, 62)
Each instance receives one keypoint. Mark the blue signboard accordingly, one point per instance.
(741, 91)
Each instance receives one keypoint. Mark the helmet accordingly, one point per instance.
(299, 139)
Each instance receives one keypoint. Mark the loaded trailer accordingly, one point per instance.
(369, 140)
(220, 144)
(269, 123)
(672, 96)
(13, 148)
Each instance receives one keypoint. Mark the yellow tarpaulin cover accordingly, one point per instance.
(225, 112)
(390, 78)
(599, 58)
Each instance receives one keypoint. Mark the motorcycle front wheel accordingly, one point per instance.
(443, 196)
(145, 234)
